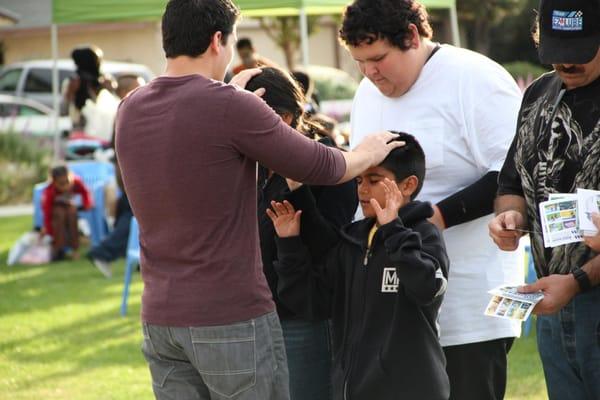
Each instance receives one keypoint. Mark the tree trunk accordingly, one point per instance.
(289, 52)
(481, 36)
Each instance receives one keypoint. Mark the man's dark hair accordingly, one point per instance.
(189, 25)
(406, 161)
(58, 171)
(366, 21)
(244, 43)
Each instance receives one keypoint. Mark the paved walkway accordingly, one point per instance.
(13, 211)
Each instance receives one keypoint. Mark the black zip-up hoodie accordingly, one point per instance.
(383, 303)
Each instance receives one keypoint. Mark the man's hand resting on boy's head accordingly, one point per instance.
(593, 242)
(393, 201)
(242, 78)
(285, 219)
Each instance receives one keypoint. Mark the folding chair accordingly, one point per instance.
(133, 259)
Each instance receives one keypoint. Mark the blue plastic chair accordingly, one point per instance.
(96, 175)
(133, 259)
(530, 277)
(93, 173)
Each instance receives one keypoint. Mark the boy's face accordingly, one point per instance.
(62, 184)
(370, 188)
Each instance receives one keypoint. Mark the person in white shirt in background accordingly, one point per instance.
(462, 107)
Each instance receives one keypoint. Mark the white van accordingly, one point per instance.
(33, 79)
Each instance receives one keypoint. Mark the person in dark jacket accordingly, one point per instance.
(307, 342)
(382, 284)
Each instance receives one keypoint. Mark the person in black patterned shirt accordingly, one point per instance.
(557, 150)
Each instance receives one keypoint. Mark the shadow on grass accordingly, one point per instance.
(45, 287)
(69, 320)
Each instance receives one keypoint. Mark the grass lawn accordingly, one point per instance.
(61, 336)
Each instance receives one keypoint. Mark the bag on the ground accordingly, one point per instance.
(30, 249)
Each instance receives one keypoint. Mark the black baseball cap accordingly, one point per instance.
(569, 31)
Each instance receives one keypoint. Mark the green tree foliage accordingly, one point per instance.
(511, 38)
(23, 163)
(478, 17)
(285, 32)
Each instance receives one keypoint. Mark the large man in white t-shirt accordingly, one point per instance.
(463, 108)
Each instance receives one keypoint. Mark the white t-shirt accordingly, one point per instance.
(463, 110)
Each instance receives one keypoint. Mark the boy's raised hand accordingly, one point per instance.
(393, 202)
(285, 219)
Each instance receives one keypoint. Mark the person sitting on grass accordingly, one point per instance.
(382, 284)
(60, 211)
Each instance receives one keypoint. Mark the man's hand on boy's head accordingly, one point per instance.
(593, 242)
(379, 145)
(285, 219)
(393, 202)
(242, 78)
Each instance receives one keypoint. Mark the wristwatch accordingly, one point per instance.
(582, 279)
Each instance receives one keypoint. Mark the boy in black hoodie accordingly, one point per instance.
(382, 283)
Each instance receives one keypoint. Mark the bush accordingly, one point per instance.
(523, 69)
(23, 163)
(332, 83)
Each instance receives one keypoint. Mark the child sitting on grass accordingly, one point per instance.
(60, 211)
(382, 284)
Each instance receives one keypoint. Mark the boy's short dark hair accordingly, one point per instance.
(366, 21)
(244, 43)
(58, 171)
(189, 25)
(406, 161)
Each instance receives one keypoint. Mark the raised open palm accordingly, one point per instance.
(393, 202)
(285, 219)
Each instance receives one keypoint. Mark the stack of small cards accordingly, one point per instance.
(567, 217)
(508, 303)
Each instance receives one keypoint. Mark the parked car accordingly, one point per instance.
(28, 117)
(33, 79)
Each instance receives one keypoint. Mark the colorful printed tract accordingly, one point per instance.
(589, 203)
(559, 221)
(508, 303)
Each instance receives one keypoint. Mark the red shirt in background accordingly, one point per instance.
(50, 196)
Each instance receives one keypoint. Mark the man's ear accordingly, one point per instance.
(415, 39)
(408, 186)
(216, 43)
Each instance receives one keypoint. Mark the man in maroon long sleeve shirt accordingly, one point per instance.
(188, 146)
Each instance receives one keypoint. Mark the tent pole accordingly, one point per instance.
(304, 36)
(454, 23)
(55, 91)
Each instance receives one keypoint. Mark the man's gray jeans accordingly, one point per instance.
(241, 361)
